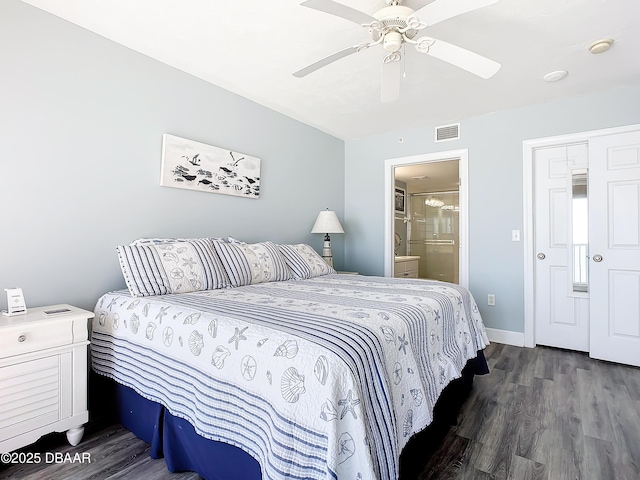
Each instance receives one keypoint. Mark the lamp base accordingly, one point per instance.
(326, 251)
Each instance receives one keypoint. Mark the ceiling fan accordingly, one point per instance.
(396, 25)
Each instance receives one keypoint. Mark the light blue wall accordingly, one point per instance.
(495, 147)
(81, 124)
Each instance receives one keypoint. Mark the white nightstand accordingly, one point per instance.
(43, 375)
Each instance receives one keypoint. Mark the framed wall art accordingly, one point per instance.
(197, 166)
(400, 206)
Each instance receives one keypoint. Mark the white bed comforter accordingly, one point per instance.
(320, 378)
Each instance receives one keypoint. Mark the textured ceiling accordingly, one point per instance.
(252, 47)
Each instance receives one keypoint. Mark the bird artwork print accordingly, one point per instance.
(196, 166)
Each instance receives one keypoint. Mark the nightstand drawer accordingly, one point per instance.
(19, 339)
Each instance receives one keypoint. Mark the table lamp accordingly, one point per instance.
(327, 222)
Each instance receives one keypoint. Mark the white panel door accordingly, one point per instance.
(614, 220)
(561, 315)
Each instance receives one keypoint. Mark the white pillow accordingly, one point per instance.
(304, 262)
(250, 263)
(178, 267)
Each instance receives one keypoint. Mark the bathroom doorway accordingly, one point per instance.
(427, 212)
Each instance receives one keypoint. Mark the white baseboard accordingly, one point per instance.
(505, 336)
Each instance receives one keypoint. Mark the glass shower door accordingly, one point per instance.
(434, 235)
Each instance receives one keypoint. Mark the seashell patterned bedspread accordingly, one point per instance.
(321, 378)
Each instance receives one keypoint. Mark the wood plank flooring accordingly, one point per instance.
(542, 414)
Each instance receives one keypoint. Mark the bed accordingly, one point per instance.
(327, 376)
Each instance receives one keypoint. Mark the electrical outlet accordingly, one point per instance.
(491, 299)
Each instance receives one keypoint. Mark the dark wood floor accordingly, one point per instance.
(542, 413)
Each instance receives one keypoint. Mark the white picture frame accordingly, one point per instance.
(192, 165)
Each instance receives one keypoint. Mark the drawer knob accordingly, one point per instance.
(22, 338)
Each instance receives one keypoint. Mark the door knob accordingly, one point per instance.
(597, 258)
(541, 256)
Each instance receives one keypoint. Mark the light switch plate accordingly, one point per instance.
(515, 235)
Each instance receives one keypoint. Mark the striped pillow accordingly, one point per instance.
(304, 262)
(249, 263)
(178, 267)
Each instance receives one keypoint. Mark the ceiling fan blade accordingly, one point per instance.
(326, 61)
(461, 57)
(340, 10)
(390, 85)
(440, 10)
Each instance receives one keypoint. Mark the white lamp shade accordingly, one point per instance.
(327, 222)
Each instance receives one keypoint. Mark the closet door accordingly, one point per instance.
(561, 301)
(614, 231)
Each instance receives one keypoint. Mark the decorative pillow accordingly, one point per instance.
(249, 263)
(231, 239)
(159, 241)
(178, 267)
(304, 261)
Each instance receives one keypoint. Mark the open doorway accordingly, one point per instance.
(426, 217)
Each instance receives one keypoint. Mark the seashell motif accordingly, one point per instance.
(467, 338)
(180, 341)
(358, 315)
(432, 336)
(145, 309)
(321, 369)
(195, 283)
(328, 411)
(346, 447)
(169, 257)
(151, 327)
(176, 274)
(289, 349)
(417, 396)
(384, 316)
(397, 373)
(402, 400)
(134, 323)
(191, 319)
(116, 321)
(133, 304)
(219, 354)
(388, 334)
(248, 367)
(261, 342)
(177, 315)
(292, 385)
(213, 328)
(269, 377)
(410, 370)
(181, 250)
(167, 336)
(102, 318)
(101, 302)
(398, 299)
(407, 425)
(196, 342)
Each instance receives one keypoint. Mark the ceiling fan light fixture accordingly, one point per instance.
(392, 41)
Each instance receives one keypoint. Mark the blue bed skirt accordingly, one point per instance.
(184, 450)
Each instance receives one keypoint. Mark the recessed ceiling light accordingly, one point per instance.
(555, 76)
(601, 45)
(421, 177)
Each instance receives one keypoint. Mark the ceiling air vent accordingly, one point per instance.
(448, 132)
